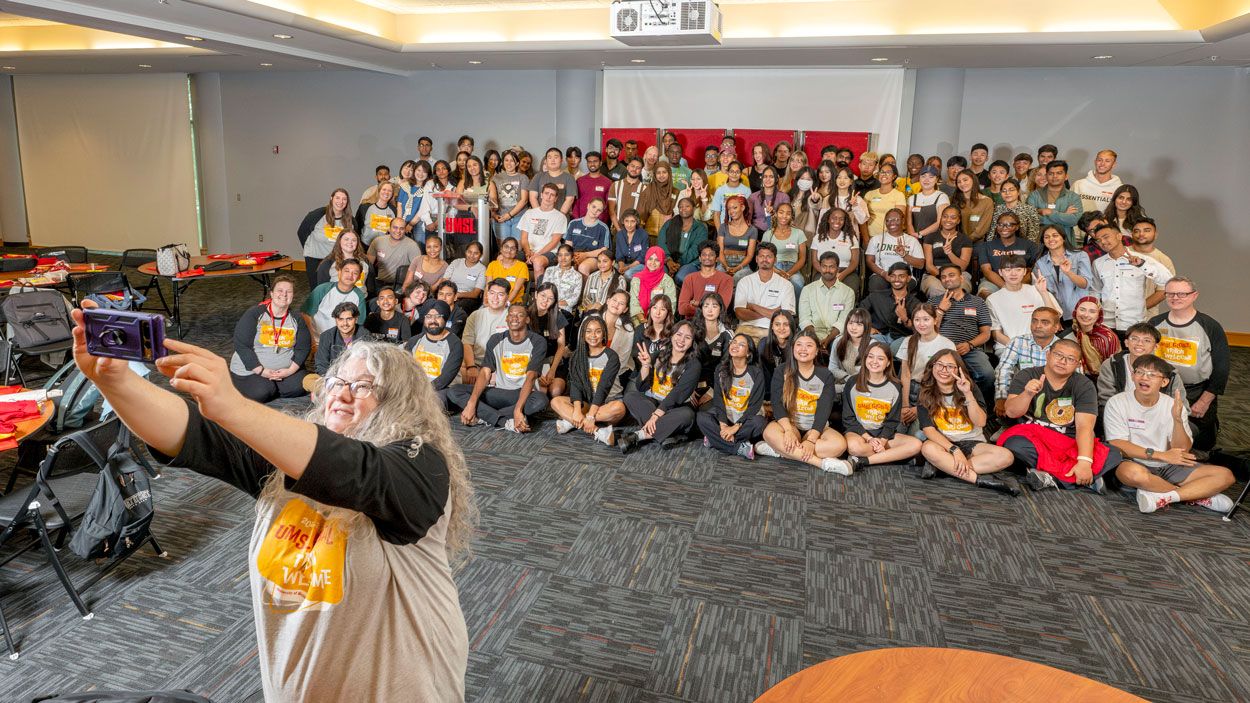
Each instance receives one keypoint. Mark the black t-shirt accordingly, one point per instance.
(937, 241)
(1056, 408)
(395, 330)
(993, 251)
(540, 326)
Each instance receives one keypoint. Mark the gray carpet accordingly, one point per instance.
(686, 576)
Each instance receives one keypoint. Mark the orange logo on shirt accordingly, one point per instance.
(515, 364)
(872, 409)
(738, 395)
(302, 558)
(277, 336)
(380, 223)
(1182, 352)
(661, 385)
(805, 402)
(432, 364)
(952, 420)
(594, 374)
(332, 233)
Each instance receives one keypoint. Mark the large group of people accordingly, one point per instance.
(963, 316)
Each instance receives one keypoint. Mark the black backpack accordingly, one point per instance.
(119, 516)
(126, 697)
(36, 318)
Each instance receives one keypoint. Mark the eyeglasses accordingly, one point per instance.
(1007, 224)
(331, 385)
(1184, 294)
(1065, 358)
(1146, 374)
(944, 367)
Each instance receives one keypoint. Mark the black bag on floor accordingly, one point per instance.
(119, 516)
(126, 697)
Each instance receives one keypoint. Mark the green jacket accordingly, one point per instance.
(687, 249)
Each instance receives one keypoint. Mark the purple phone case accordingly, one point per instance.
(135, 336)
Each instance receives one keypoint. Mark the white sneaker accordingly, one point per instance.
(762, 448)
(604, 435)
(1149, 501)
(836, 466)
(510, 426)
(563, 426)
(1219, 502)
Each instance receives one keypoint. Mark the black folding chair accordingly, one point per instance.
(99, 283)
(11, 351)
(56, 501)
(70, 255)
(133, 259)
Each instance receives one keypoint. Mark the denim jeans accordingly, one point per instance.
(685, 271)
(982, 372)
(633, 271)
(508, 228)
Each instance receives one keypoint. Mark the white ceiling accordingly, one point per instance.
(238, 36)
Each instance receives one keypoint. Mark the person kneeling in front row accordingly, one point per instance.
(512, 363)
(1057, 408)
(951, 411)
(1151, 429)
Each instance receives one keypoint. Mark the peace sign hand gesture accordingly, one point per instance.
(962, 382)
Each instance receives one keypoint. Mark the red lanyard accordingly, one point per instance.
(278, 329)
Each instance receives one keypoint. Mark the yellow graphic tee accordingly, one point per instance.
(301, 560)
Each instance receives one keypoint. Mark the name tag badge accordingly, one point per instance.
(709, 289)
(771, 295)
(1050, 206)
(598, 189)
(791, 245)
(915, 208)
(382, 254)
(471, 276)
(876, 199)
(970, 312)
(1136, 424)
(838, 307)
(1063, 402)
(743, 242)
(637, 247)
(975, 218)
(511, 279)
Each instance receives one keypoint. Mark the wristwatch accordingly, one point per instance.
(1150, 452)
(954, 448)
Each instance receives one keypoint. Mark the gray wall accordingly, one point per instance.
(12, 198)
(1183, 136)
(333, 128)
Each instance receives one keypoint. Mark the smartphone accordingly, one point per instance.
(122, 334)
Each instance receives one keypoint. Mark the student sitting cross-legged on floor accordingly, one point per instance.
(1151, 428)
(732, 421)
(510, 368)
(872, 413)
(951, 412)
(802, 397)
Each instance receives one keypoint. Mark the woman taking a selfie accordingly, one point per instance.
(359, 505)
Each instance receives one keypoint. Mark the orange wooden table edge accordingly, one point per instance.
(935, 675)
(263, 267)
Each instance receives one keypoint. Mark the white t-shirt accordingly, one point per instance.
(838, 245)
(1149, 428)
(777, 292)
(1012, 312)
(924, 352)
(542, 226)
(882, 247)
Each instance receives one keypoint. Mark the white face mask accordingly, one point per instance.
(805, 184)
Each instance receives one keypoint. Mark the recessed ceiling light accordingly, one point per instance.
(194, 38)
(882, 58)
(1100, 57)
(145, 65)
(282, 36)
(266, 64)
(9, 68)
(476, 63)
(638, 60)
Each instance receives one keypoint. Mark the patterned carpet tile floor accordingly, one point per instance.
(683, 575)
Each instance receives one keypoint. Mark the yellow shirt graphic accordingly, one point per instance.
(1183, 352)
(302, 558)
(661, 385)
(515, 364)
(332, 233)
(738, 395)
(952, 420)
(432, 364)
(277, 336)
(380, 223)
(872, 409)
(805, 401)
(594, 374)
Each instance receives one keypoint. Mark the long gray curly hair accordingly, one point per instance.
(408, 409)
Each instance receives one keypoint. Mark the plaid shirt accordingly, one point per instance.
(1022, 353)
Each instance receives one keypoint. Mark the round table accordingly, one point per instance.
(259, 273)
(25, 428)
(935, 675)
